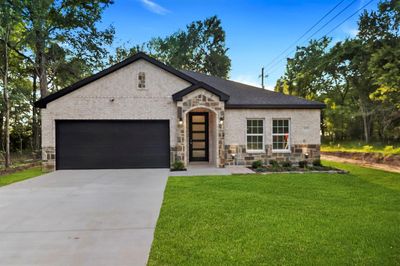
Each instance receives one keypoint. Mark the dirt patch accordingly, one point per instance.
(380, 166)
(368, 157)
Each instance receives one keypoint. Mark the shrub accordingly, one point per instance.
(367, 148)
(257, 164)
(287, 164)
(317, 162)
(303, 164)
(274, 163)
(178, 165)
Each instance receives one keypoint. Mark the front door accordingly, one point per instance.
(198, 136)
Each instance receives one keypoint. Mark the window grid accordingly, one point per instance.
(141, 80)
(281, 134)
(255, 134)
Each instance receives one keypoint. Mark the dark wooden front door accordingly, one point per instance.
(198, 136)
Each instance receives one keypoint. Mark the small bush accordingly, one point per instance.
(178, 165)
(303, 164)
(257, 164)
(274, 163)
(317, 162)
(287, 164)
(260, 169)
(367, 148)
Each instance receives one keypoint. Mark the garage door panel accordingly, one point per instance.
(113, 144)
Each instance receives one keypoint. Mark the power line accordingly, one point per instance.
(334, 28)
(322, 27)
(305, 33)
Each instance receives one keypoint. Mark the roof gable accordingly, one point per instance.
(200, 85)
(42, 103)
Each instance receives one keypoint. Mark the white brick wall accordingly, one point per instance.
(93, 101)
(305, 124)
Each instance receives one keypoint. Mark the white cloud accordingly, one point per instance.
(251, 80)
(154, 7)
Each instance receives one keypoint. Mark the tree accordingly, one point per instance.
(8, 21)
(201, 47)
(67, 26)
(303, 76)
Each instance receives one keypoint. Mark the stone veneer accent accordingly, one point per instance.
(295, 155)
(200, 99)
(48, 159)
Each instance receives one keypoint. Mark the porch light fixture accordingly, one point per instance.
(180, 121)
(221, 120)
(306, 155)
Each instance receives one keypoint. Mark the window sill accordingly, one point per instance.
(281, 151)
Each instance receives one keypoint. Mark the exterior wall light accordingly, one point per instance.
(221, 121)
(180, 121)
(306, 155)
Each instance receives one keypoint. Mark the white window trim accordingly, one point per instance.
(288, 150)
(263, 136)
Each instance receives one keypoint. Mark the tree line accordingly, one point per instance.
(358, 78)
(46, 45)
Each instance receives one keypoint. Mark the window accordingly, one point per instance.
(280, 134)
(141, 80)
(255, 135)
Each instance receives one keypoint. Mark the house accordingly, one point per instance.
(141, 113)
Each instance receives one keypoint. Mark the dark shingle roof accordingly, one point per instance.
(235, 94)
(246, 96)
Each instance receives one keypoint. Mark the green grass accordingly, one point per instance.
(281, 219)
(362, 147)
(19, 176)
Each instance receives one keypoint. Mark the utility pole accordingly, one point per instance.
(262, 76)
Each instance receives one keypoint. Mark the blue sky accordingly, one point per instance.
(256, 31)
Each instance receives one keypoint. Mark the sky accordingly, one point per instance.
(256, 31)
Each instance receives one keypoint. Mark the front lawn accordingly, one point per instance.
(19, 176)
(303, 219)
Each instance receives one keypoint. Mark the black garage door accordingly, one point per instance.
(112, 144)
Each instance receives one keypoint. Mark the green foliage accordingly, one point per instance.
(361, 147)
(317, 162)
(287, 164)
(274, 163)
(257, 164)
(200, 47)
(358, 78)
(303, 164)
(178, 165)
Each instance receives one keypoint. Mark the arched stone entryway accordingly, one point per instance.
(201, 101)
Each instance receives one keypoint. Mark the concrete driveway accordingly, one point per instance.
(81, 217)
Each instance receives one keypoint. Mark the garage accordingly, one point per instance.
(112, 144)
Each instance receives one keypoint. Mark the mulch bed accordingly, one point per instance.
(369, 157)
(298, 170)
(19, 168)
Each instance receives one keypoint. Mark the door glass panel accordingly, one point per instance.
(198, 119)
(198, 127)
(199, 136)
(199, 145)
(199, 153)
